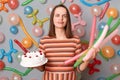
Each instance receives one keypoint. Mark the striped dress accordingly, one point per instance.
(58, 51)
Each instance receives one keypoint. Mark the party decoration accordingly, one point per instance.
(116, 39)
(112, 13)
(43, 1)
(93, 30)
(118, 52)
(104, 10)
(101, 78)
(108, 51)
(79, 31)
(13, 4)
(63, 1)
(28, 10)
(27, 71)
(96, 10)
(80, 23)
(112, 76)
(92, 68)
(2, 65)
(26, 2)
(36, 20)
(37, 31)
(16, 77)
(89, 51)
(13, 19)
(93, 4)
(101, 25)
(21, 46)
(4, 78)
(74, 9)
(18, 56)
(26, 42)
(8, 54)
(49, 9)
(115, 68)
(13, 29)
(2, 37)
(1, 19)
(2, 7)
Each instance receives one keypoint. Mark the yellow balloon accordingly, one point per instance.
(112, 12)
(108, 51)
(26, 42)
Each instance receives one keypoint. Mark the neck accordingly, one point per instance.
(60, 33)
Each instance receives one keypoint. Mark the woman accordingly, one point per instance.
(59, 46)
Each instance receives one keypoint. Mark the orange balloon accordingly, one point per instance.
(26, 42)
(112, 12)
(108, 51)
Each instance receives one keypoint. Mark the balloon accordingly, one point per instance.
(37, 31)
(2, 65)
(42, 1)
(101, 78)
(96, 10)
(112, 12)
(16, 77)
(14, 30)
(115, 68)
(118, 52)
(101, 25)
(108, 51)
(79, 31)
(21, 46)
(49, 9)
(116, 39)
(27, 34)
(2, 5)
(26, 42)
(104, 10)
(4, 78)
(13, 4)
(13, 19)
(26, 2)
(28, 10)
(1, 19)
(18, 56)
(74, 9)
(2, 37)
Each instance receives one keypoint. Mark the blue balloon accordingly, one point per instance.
(13, 29)
(118, 52)
(28, 10)
(101, 78)
(101, 26)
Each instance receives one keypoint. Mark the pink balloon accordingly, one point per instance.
(115, 68)
(2, 37)
(13, 4)
(4, 78)
(49, 9)
(13, 19)
(37, 31)
(79, 31)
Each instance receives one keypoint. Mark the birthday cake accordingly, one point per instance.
(33, 59)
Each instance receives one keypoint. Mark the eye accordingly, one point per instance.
(57, 15)
(65, 15)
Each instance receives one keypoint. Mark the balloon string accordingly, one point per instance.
(27, 34)
(112, 76)
(28, 70)
(21, 46)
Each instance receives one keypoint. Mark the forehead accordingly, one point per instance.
(60, 10)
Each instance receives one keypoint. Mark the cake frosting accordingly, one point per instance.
(33, 59)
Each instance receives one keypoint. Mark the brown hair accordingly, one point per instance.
(68, 31)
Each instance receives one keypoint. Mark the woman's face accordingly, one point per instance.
(60, 17)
